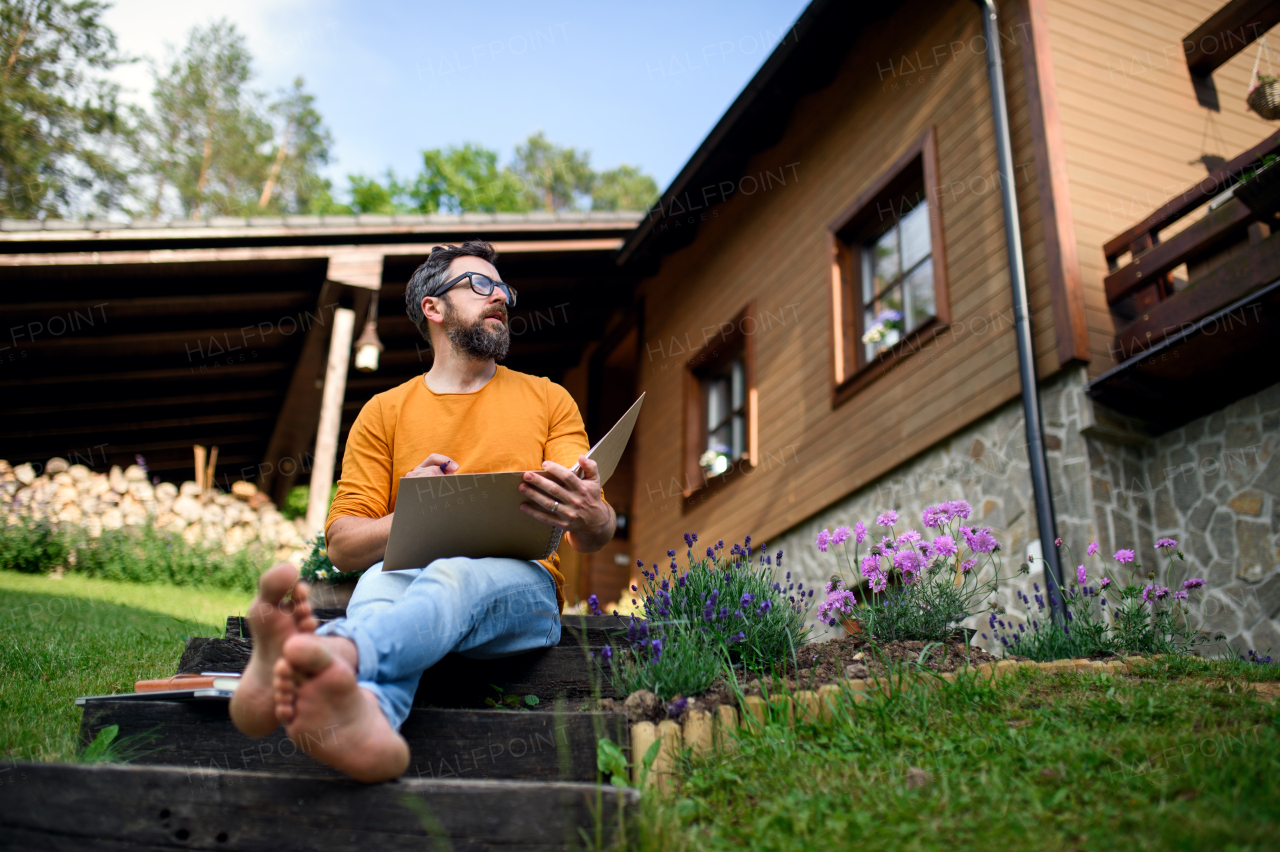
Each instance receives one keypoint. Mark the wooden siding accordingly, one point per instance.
(771, 248)
(1132, 127)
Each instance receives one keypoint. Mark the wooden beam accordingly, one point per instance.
(349, 253)
(295, 426)
(335, 388)
(1227, 32)
(140, 426)
(1062, 257)
(198, 344)
(1216, 226)
(147, 402)
(120, 309)
(230, 373)
(1180, 205)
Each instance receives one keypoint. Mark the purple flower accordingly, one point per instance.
(593, 604)
(1167, 542)
(607, 652)
(824, 538)
(859, 532)
(967, 565)
(957, 509)
(840, 536)
(944, 546)
(934, 516)
(1057, 542)
(870, 563)
(675, 708)
(887, 519)
(908, 561)
(908, 537)
(1092, 549)
(1193, 583)
(1181, 594)
(1123, 556)
(1081, 575)
(1106, 581)
(878, 580)
(981, 541)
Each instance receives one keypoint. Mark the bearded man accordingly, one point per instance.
(342, 691)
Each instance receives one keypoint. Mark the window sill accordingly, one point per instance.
(886, 362)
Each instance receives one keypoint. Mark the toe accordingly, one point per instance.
(307, 654)
(276, 582)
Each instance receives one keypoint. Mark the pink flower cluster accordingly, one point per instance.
(943, 513)
(839, 601)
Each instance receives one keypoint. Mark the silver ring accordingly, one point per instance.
(556, 506)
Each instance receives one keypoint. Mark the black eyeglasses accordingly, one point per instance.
(481, 284)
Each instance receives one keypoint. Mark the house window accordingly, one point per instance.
(726, 407)
(720, 406)
(888, 276)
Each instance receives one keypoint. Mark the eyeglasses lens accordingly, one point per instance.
(483, 285)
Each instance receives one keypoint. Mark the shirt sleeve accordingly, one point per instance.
(566, 435)
(364, 491)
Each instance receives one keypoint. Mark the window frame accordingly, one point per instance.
(852, 371)
(710, 360)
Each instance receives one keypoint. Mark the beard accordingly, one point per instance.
(476, 340)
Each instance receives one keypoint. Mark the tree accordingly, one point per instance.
(623, 188)
(553, 177)
(466, 179)
(293, 181)
(62, 128)
(219, 147)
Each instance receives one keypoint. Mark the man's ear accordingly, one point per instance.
(431, 309)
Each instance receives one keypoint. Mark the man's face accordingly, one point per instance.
(476, 325)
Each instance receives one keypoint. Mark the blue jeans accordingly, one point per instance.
(404, 622)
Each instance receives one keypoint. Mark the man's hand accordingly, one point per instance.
(435, 464)
(576, 505)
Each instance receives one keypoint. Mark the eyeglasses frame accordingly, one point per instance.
(507, 289)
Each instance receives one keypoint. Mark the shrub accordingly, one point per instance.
(140, 554)
(724, 610)
(914, 589)
(318, 568)
(1107, 618)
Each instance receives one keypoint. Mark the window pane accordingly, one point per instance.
(739, 436)
(915, 235)
(885, 259)
(717, 401)
(739, 382)
(920, 298)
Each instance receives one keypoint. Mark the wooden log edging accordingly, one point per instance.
(702, 731)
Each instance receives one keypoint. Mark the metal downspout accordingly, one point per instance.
(1021, 322)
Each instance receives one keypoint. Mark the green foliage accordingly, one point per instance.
(510, 700)
(1027, 762)
(683, 663)
(62, 128)
(552, 177)
(612, 763)
(295, 502)
(141, 554)
(623, 188)
(219, 145)
(318, 568)
(466, 179)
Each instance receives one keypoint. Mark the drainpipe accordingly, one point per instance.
(1021, 322)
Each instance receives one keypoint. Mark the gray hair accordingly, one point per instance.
(434, 271)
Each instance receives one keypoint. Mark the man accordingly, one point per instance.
(343, 691)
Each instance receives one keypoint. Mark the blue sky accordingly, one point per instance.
(633, 83)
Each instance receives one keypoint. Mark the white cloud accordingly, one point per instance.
(279, 34)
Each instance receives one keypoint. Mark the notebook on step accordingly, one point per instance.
(478, 514)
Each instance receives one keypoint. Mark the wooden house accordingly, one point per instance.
(825, 324)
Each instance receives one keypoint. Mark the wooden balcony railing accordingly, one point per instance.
(1229, 253)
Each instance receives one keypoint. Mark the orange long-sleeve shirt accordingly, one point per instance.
(515, 422)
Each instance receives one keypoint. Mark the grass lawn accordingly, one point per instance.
(61, 638)
(1184, 756)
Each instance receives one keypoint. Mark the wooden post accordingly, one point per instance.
(335, 389)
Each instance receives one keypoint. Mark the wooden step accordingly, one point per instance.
(467, 744)
(564, 672)
(75, 807)
(591, 630)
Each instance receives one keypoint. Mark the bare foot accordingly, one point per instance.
(334, 720)
(272, 620)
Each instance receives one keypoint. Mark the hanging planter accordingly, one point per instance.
(1263, 96)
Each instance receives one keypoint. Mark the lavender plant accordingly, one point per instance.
(914, 589)
(1104, 617)
(724, 609)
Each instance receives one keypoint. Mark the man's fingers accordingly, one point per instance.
(590, 469)
(546, 517)
(436, 464)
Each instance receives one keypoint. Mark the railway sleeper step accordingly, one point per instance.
(444, 744)
(52, 807)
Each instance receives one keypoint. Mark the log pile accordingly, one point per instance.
(74, 495)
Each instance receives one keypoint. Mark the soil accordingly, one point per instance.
(821, 663)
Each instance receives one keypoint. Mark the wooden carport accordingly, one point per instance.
(149, 338)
